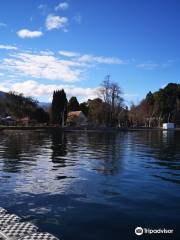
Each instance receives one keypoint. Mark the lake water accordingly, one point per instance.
(92, 186)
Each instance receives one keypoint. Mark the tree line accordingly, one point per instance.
(104, 110)
(158, 107)
(18, 106)
(108, 109)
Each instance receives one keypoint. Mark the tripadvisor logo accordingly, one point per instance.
(139, 231)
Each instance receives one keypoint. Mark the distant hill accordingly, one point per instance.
(2, 95)
(17, 106)
(44, 105)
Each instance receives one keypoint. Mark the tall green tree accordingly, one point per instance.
(73, 104)
(59, 107)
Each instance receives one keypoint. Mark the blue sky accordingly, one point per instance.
(45, 45)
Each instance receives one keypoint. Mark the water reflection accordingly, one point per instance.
(168, 136)
(17, 150)
(163, 150)
(59, 146)
(101, 152)
(108, 149)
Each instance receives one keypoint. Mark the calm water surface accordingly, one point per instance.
(92, 186)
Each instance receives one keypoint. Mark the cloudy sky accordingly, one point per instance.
(74, 44)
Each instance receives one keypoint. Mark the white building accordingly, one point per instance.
(168, 126)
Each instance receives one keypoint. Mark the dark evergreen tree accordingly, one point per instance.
(59, 107)
(73, 104)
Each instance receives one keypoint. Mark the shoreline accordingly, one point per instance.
(83, 129)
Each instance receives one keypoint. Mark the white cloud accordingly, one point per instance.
(56, 22)
(100, 59)
(35, 89)
(62, 6)
(46, 52)
(48, 65)
(148, 66)
(69, 54)
(40, 90)
(25, 33)
(43, 8)
(78, 18)
(8, 47)
(89, 58)
(43, 66)
(3, 24)
(4, 86)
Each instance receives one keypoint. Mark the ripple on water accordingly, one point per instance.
(73, 182)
